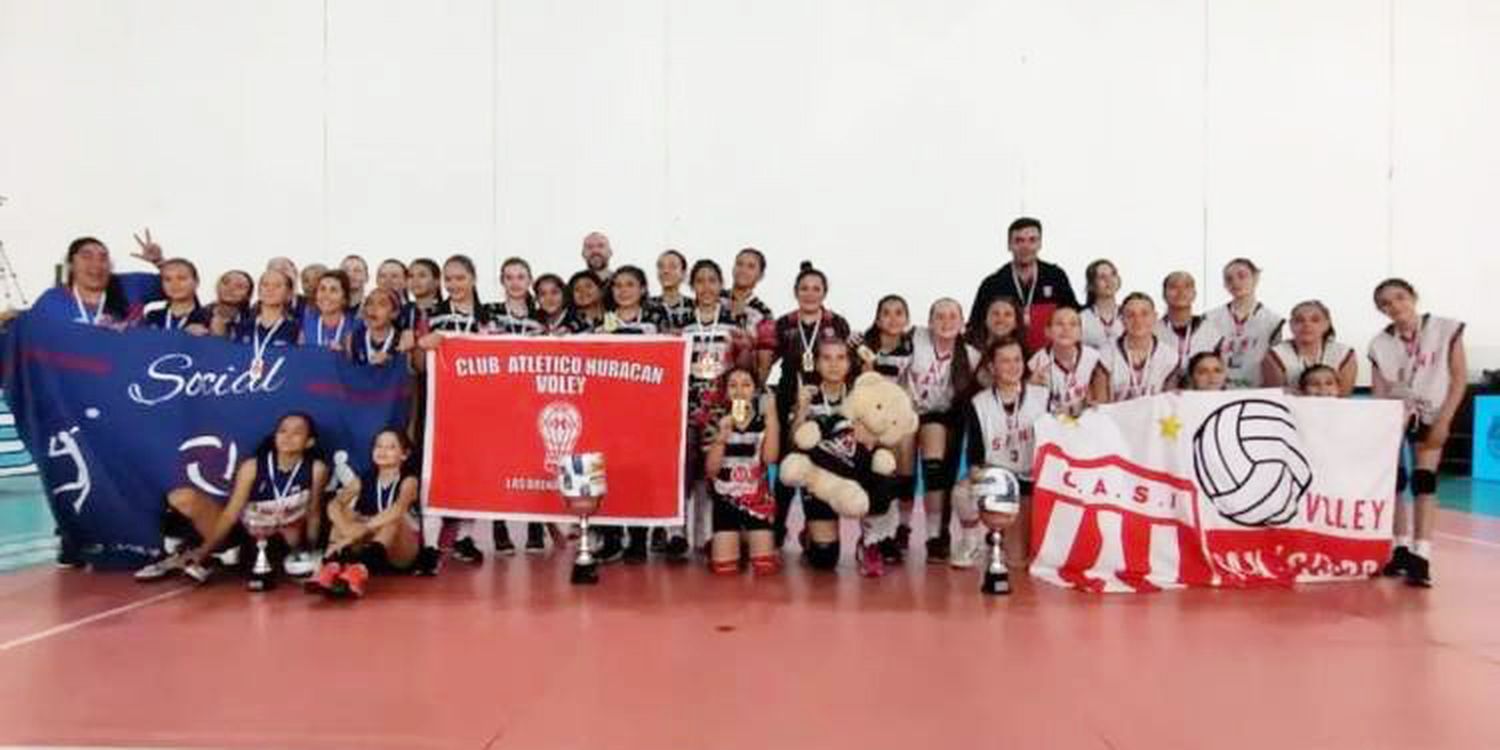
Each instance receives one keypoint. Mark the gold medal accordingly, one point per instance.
(611, 322)
(740, 412)
(866, 353)
(257, 368)
(807, 361)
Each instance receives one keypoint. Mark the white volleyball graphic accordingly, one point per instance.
(1250, 462)
(560, 424)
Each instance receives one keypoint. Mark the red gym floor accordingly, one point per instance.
(511, 656)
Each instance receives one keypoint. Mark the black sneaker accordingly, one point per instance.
(1400, 561)
(937, 550)
(536, 538)
(1418, 571)
(676, 549)
(465, 550)
(429, 560)
(503, 544)
(892, 552)
(610, 549)
(903, 538)
(658, 540)
(68, 554)
(635, 551)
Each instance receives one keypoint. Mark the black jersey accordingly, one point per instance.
(648, 321)
(375, 498)
(896, 361)
(504, 320)
(164, 319)
(365, 346)
(449, 319)
(677, 314)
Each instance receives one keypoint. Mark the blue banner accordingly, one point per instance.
(116, 420)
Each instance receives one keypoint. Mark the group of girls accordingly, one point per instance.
(753, 379)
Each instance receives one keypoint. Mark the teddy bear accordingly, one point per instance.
(831, 453)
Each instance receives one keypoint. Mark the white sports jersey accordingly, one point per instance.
(1199, 335)
(1068, 389)
(1245, 342)
(929, 377)
(1098, 332)
(1158, 374)
(1010, 434)
(1418, 369)
(1293, 364)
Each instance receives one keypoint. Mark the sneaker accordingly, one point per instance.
(260, 582)
(465, 550)
(503, 544)
(171, 544)
(1400, 561)
(300, 564)
(68, 556)
(937, 550)
(1418, 571)
(659, 540)
(351, 582)
(969, 551)
(536, 539)
(229, 557)
(871, 565)
(903, 538)
(198, 572)
(429, 561)
(677, 549)
(160, 569)
(891, 551)
(610, 549)
(323, 582)
(635, 552)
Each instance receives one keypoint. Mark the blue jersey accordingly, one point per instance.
(375, 498)
(163, 319)
(249, 331)
(60, 303)
(324, 336)
(365, 346)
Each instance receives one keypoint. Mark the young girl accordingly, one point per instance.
(392, 275)
(716, 346)
(792, 340)
(311, 275)
(516, 314)
(675, 307)
(93, 294)
(551, 304)
(887, 349)
(748, 311)
(1140, 363)
(329, 323)
(820, 532)
(424, 284)
(1101, 315)
(999, 431)
(179, 283)
(231, 303)
(1182, 332)
(376, 524)
(941, 377)
(276, 495)
(1419, 359)
(358, 272)
(1001, 321)
(1320, 380)
(461, 312)
(378, 343)
(271, 324)
(1206, 372)
(1071, 371)
(1312, 343)
(744, 445)
(1248, 327)
(587, 314)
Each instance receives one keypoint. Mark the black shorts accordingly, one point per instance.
(1416, 432)
(730, 517)
(814, 509)
(947, 419)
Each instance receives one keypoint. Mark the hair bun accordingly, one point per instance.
(806, 265)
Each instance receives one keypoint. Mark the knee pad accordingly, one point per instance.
(1400, 481)
(823, 555)
(882, 492)
(906, 486)
(373, 555)
(1424, 482)
(935, 474)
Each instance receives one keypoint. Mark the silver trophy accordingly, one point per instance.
(580, 481)
(997, 492)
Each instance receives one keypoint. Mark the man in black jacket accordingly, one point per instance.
(1039, 287)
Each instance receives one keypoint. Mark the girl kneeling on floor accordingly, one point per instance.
(376, 524)
(744, 445)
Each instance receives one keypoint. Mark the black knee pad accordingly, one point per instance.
(935, 475)
(906, 486)
(1400, 480)
(373, 555)
(882, 491)
(1424, 482)
(823, 555)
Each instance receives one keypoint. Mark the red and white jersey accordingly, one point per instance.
(1333, 354)
(1199, 335)
(1098, 332)
(1009, 434)
(929, 376)
(1156, 375)
(1418, 369)
(1246, 342)
(1068, 388)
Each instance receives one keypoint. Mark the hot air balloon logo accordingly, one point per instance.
(560, 424)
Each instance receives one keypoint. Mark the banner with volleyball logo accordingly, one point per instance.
(504, 411)
(1236, 488)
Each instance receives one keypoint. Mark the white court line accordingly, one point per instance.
(1469, 540)
(74, 625)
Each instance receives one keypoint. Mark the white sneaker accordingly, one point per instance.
(160, 569)
(229, 557)
(301, 564)
(198, 572)
(171, 544)
(968, 549)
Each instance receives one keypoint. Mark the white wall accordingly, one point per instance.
(1334, 141)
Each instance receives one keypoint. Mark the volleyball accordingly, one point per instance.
(1250, 462)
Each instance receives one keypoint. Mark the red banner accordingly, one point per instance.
(501, 411)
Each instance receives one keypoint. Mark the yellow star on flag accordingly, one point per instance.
(1068, 420)
(1170, 426)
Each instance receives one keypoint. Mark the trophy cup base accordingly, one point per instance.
(995, 584)
(584, 575)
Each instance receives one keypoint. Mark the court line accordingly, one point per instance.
(75, 624)
(1468, 539)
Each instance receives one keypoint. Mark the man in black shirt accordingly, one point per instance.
(1039, 287)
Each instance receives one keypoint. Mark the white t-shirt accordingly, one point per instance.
(1010, 435)
(1418, 369)
(1158, 374)
(1285, 354)
(1199, 335)
(929, 377)
(1068, 388)
(1245, 342)
(1098, 332)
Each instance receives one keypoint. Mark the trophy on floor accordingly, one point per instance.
(580, 481)
(997, 492)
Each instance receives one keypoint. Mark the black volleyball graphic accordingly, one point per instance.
(1250, 462)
